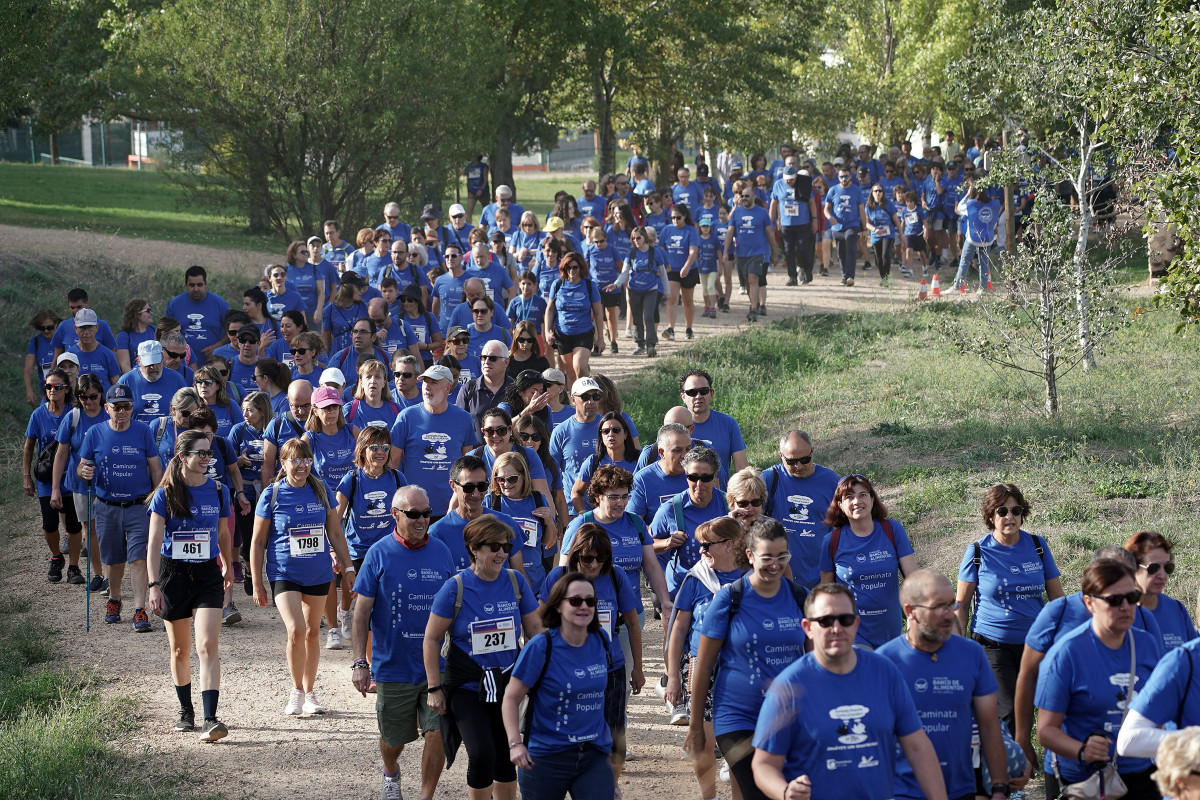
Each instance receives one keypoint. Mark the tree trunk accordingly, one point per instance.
(54, 149)
(1049, 354)
(1081, 299)
(607, 144)
(259, 203)
(664, 138)
(500, 163)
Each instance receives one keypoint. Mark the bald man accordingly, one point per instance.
(952, 685)
(286, 426)
(473, 289)
(799, 492)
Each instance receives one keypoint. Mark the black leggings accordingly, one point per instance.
(739, 755)
(483, 735)
(50, 515)
(883, 257)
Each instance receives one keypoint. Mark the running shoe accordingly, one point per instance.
(311, 706)
(56, 568)
(186, 721)
(651, 352)
(824, 272)
(641, 351)
(752, 316)
(741, 290)
(213, 730)
(669, 334)
(74, 575)
(391, 788)
(248, 583)
(295, 703)
(660, 687)
(230, 615)
(141, 622)
(346, 619)
(688, 333)
(98, 583)
(792, 282)
(762, 310)
(679, 715)
(628, 333)
(724, 771)
(112, 611)
(612, 348)
(333, 639)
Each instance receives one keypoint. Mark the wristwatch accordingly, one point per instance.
(1000, 788)
(433, 689)
(152, 584)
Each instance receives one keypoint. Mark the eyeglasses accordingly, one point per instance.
(496, 547)
(1115, 600)
(1152, 569)
(576, 601)
(766, 561)
(530, 437)
(299, 406)
(617, 498)
(483, 310)
(705, 546)
(694, 477)
(379, 448)
(233, 332)
(55, 387)
(590, 559)
(45, 328)
(413, 513)
(453, 256)
(412, 254)
(845, 620)
(472, 488)
(499, 430)
(794, 462)
(941, 608)
(699, 391)
(393, 216)
(612, 431)
(1017, 511)
(205, 382)
(524, 340)
(754, 502)
(122, 407)
(590, 397)
(92, 396)
(173, 354)
(201, 453)
(877, 191)
(298, 462)
(301, 252)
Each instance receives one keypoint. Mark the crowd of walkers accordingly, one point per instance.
(427, 466)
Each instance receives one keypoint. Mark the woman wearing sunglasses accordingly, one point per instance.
(364, 499)
(1087, 680)
(211, 386)
(42, 429)
(39, 355)
(483, 610)
(722, 561)
(614, 445)
(295, 530)
(746, 495)
(750, 633)
(574, 316)
(534, 434)
(513, 493)
(1005, 574)
(565, 671)
(1156, 564)
(65, 482)
(189, 529)
(867, 552)
(525, 354)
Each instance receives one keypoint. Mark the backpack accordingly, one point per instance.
(43, 469)
(977, 559)
(354, 411)
(771, 479)
(737, 590)
(458, 595)
(354, 488)
(527, 717)
(161, 431)
(835, 537)
(677, 508)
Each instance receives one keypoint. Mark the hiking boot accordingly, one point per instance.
(74, 575)
(213, 730)
(56, 568)
(186, 721)
(141, 622)
(112, 611)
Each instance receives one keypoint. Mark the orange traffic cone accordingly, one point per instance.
(921, 293)
(937, 287)
(989, 285)
(962, 288)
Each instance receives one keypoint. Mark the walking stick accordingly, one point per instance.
(87, 587)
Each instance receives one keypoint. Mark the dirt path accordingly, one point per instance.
(268, 755)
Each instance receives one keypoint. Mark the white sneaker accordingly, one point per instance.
(679, 715)
(295, 703)
(724, 772)
(311, 706)
(660, 688)
(333, 639)
(391, 788)
(629, 333)
(345, 620)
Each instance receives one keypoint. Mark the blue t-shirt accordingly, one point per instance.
(1174, 622)
(449, 292)
(652, 488)
(750, 227)
(201, 323)
(42, 350)
(981, 221)
(691, 196)
(395, 336)
(529, 530)
(129, 340)
(1009, 585)
(912, 219)
(303, 281)
(677, 241)
(657, 221)
(449, 531)
(710, 250)
(241, 375)
(42, 428)
(1088, 683)
(592, 208)
(193, 539)
(495, 280)
(101, 362)
(290, 300)
(793, 210)
(845, 201)
(431, 444)
(120, 458)
(616, 594)
(532, 310)
(627, 537)
(152, 399)
(1063, 614)
(800, 720)
(799, 504)
(722, 433)
(489, 621)
(370, 507)
(944, 692)
(1172, 693)
(568, 702)
(933, 201)
(644, 268)
(339, 322)
(230, 415)
(585, 472)
(297, 543)
(360, 414)
(603, 263)
(870, 566)
(73, 437)
(65, 336)
(247, 440)
(758, 643)
(573, 306)
(333, 457)
(678, 561)
(694, 597)
(572, 443)
(881, 218)
(402, 581)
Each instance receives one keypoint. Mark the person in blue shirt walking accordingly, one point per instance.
(645, 272)
(752, 237)
(798, 489)
(42, 429)
(981, 214)
(674, 525)
(882, 223)
(845, 210)
(574, 316)
(1156, 564)
(200, 314)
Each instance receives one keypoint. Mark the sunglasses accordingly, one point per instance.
(524, 340)
(508, 480)
(793, 462)
(173, 354)
(123, 407)
(403, 376)
(705, 546)
(576, 601)
(694, 477)
(483, 310)
(93, 396)
(248, 340)
(678, 219)
(299, 462)
(589, 559)
(1017, 511)
(300, 351)
(499, 430)
(496, 547)
(612, 431)
(1153, 569)
(531, 437)
(700, 391)
(845, 620)
(379, 448)
(233, 332)
(461, 341)
(201, 453)
(412, 513)
(55, 387)
(206, 382)
(472, 488)
(45, 328)
(1115, 600)
(590, 397)
(393, 216)
(756, 502)
(491, 359)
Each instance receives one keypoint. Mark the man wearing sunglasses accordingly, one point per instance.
(400, 231)
(486, 391)
(448, 288)
(469, 484)
(574, 439)
(830, 722)
(719, 431)
(408, 568)
(152, 386)
(427, 438)
(504, 199)
(964, 688)
(798, 493)
(174, 350)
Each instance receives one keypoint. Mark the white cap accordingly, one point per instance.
(332, 375)
(74, 359)
(582, 385)
(437, 373)
(149, 352)
(457, 209)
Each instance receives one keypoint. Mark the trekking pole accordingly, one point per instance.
(87, 587)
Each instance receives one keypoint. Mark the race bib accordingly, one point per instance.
(530, 529)
(307, 540)
(493, 636)
(791, 209)
(606, 618)
(882, 230)
(191, 546)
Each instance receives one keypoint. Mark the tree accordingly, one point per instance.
(24, 41)
(298, 111)
(1031, 325)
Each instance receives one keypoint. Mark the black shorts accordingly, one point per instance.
(564, 343)
(690, 282)
(612, 299)
(915, 241)
(280, 586)
(50, 514)
(189, 585)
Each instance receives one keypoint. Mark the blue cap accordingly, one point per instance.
(118, 393)
(790, 172)
(737, 165)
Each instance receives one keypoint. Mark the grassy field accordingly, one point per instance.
(147, 205)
